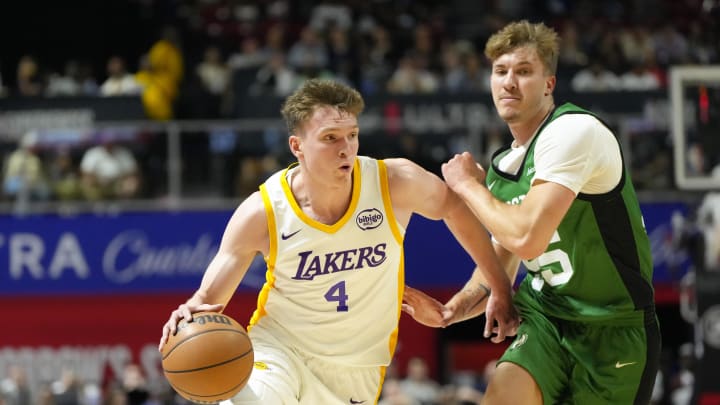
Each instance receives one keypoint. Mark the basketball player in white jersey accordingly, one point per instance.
(331, 231)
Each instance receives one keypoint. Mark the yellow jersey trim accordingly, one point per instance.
(387, 202)
(270, 259)
(317, 224)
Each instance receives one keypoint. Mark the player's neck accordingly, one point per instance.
(322, 201)
(523, 131)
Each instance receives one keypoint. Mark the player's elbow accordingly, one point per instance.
(529, 252)
(527, 246)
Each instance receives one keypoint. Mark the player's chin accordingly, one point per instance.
(509, 114)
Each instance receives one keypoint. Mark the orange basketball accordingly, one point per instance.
(209, 359)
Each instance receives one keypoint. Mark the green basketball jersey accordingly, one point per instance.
(598, 266)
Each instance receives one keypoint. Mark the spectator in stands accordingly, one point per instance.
(636, 42)
(165, 55)
(207, 93)
(275, 39)
(331, 13)
(393, 394)
(115, 395)
(309, 52)
(14, 389)
(119, 81)
(609, 50)
(671, 47)
(135, 385)
(418, 384)
(377, 60)
(702, 45)
(30, 82)
(572, 56)
(76, 80)
(63, 176)
(249, 56)
(696, 159)
(453, 72)
(158, 91)
(24, 173)
(66, 389)
(342, 59)
(275, 78)
(86, 77)
(412, 77)
(65, 84)
(213, 72)
(683, 381)
(595, 78)
(639, 78)
(109, 171)
(160, 74)
(476, 75)
(425, 46)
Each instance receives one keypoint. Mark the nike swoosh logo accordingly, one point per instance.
(621, 365)
(491, 185)
(290, 235)
(352, 401)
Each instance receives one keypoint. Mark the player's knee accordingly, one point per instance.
(511, 384)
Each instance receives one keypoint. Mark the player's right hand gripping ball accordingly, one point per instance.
(209, 359)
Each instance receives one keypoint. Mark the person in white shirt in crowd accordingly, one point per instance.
(119, 82)
(24, 172)
(595, 78)
(639, 78)
(109, 171)
(213, 72)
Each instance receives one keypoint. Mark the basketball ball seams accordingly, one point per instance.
(200, 334)
(190, 370)
(195, 396)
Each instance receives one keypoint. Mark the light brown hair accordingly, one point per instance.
(300, 106)
(522, 33)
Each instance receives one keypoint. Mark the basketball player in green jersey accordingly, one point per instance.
(558, 198)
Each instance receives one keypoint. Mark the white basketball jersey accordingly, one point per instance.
(334, 291)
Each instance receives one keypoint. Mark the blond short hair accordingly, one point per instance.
(300, 106)
(522, 33)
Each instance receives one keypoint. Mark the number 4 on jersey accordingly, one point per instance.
(337, 293)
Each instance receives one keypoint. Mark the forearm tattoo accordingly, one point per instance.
(479, 293)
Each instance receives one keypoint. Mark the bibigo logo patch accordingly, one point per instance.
(369, 219)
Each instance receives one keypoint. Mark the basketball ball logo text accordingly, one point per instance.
(207, 318)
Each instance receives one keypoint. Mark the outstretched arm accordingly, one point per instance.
(472, 299)
(245, 235)
(414, 189)
(425, 309)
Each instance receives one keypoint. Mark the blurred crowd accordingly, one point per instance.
(416, 386)
(130, 388)
(209, 56)
(235, 48)
(105, 170)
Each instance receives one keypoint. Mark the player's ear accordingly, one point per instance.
(295, 144)
(550, 85)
